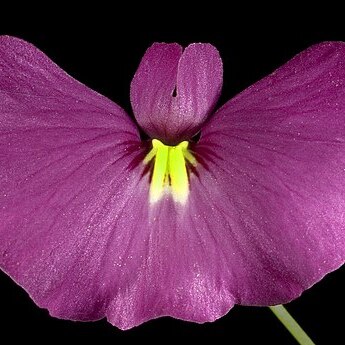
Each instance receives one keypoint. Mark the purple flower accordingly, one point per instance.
(96, 222)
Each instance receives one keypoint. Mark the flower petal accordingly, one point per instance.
(172, 92)
(274, 178)
(67, 174)
(183, 275)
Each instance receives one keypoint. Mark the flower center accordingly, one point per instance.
(169, 170)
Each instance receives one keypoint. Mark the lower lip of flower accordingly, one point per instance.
(170, 174)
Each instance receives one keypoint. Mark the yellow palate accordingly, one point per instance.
(169, 171)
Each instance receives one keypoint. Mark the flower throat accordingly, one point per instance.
(169, 171)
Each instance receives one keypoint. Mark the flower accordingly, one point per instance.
(96, 222)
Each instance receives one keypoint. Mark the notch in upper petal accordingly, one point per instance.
(173, 92)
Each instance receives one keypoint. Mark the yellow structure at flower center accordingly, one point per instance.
(169, 171)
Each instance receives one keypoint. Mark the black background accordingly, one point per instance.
(104, 57)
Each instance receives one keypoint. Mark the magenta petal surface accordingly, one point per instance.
(67, 180)
(77, 232)
(173, 92)
(274, 177)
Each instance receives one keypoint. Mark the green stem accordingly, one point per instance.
(291, 325)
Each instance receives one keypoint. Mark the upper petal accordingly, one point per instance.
(275, 170)
(172, 92)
